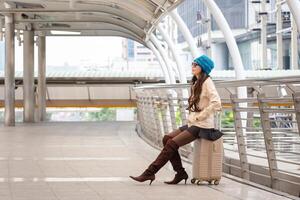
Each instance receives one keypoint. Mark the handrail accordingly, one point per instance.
(232, 83)
(268, 120)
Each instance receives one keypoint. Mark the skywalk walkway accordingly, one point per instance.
(89, 161)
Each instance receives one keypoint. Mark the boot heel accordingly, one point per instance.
(150, 182)
(185, 181)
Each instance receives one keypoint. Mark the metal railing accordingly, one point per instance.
(262, 139)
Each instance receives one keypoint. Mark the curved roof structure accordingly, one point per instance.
(133, 19)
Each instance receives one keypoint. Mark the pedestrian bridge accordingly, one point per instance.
(261, 143)
(93, 160)
(45, 160)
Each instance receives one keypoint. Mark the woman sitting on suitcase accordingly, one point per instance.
(203, 102)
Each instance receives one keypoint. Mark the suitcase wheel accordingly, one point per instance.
(193, 180)
(216, 182)
(199, 182)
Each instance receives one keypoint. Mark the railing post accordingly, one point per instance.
(150, 119)
(218, 120)
(181, 106)
(140, 111)
(164, 111)
(144, 107)
(267, 133)
(172, 111)
(139, 108)
(240, 138)
(250, 115)
(296, 100)
(156, 109)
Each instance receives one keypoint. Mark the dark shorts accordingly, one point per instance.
(199, 132)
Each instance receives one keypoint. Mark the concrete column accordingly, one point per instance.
(263, 35)
(9, 86)
(28, 76)
(279, 35)
(229, 38)
(294, 44)
(232, 46)
(1, 26)
(41, 90)
(208, 25)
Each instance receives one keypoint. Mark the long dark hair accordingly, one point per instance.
(196, 92)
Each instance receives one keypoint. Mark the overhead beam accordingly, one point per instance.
(24, 10)
(161, 61)
(175, 54)
(164, 55)
(128, 24)
(105, 26)
(104, 32)
(186, 33)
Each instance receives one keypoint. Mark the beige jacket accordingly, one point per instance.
(209, 103)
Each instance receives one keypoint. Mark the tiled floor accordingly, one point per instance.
(89, 161)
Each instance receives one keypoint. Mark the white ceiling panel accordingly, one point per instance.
(126, 18)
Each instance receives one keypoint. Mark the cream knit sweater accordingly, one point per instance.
(209, 103)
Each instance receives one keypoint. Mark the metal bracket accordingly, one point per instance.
(267, 133)
(240, 139)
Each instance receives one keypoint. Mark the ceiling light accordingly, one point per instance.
(65, 33)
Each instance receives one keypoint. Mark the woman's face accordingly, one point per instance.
(196, 69)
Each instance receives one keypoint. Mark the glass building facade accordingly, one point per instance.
(240, 14)
(235, 11)
(130, 49)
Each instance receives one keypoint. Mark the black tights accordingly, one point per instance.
(182, 138)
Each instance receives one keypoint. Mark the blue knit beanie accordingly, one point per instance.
(205, 63)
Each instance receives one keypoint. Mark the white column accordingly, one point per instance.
(208, 25)
(294, 44)
(294, 6)
(232, 47)
(229, 38)
(160, 60)
(186, 33)
(263, 35)
(174, 53)
(279, 35)
(9, 86)
(28, 76)
(41, 88)
(1, 27)
(165, 58)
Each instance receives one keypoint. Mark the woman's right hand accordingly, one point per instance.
(189, 119)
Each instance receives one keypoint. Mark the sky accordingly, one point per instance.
(76, 51)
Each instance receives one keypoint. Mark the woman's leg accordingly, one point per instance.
(170, 150)
(165, 155)
(174, 133)
(184, 138)
(175, 159)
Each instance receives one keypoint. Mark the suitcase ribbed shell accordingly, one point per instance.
(207, 160)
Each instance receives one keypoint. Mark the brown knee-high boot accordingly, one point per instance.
(176, 164)
(166, 153)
